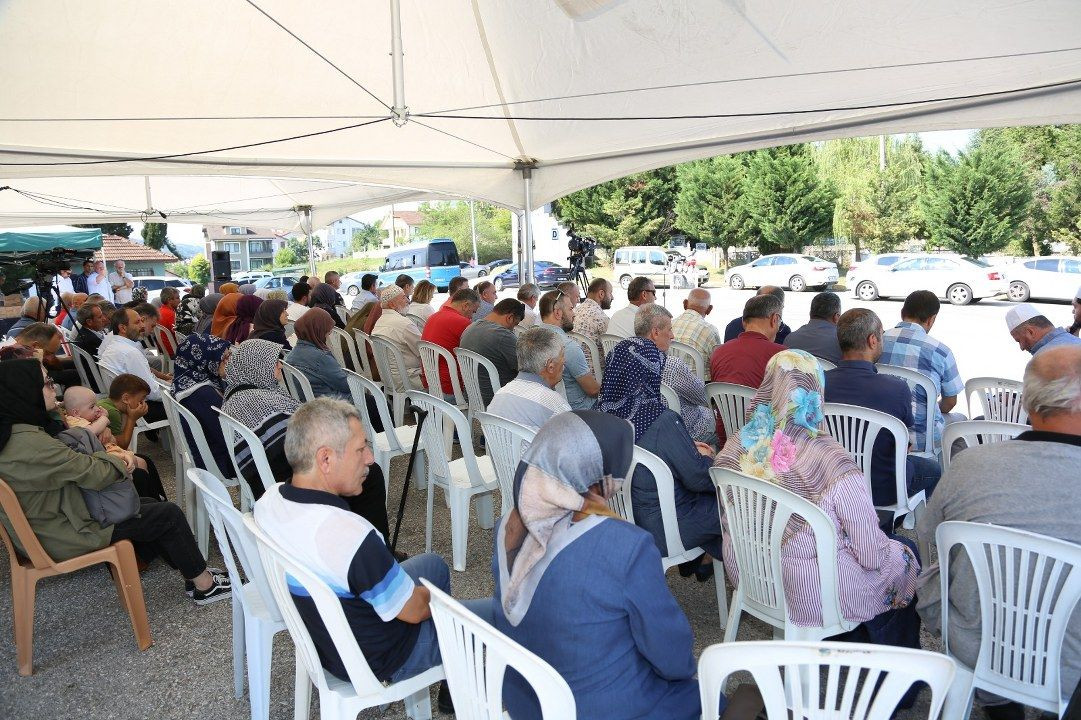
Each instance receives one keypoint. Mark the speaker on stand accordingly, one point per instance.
(221, 267)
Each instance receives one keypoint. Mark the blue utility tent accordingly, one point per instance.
(89, 239)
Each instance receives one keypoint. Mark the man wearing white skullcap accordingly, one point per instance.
(394, 326)
(1033, 331)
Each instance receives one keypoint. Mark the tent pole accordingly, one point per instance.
(399, 112)
(306, 225)
(473, 229)
(525, 271)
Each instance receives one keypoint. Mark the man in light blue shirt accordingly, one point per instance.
(1032, 331)
(582, 388)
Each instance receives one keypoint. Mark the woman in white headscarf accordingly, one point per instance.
(583, 589)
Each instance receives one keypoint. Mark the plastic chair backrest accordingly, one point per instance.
(364, 342)
(476, 657)
(506, 443)
(163, 338)
(730, 401)
(1029, 585)
(977, 432)
(282, 570)
(297, 384)
(441, 412)
(234, 538)
(1000, 399)
(825, 680)
(826, 365)
(343, 348)
(470, 363)
(609, 341)
(107, 377)
(417, 320)
(917, 379)
(692, 357)
(359, 388)
(758, 512)
(593, 354)
(856, 429)
(34, 552)
(87, 367)
(230, 428)
(201, 453)
(671, 399)
(666, 494)
(432, 357)
(391, 365)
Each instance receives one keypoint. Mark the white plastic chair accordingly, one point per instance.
(826, 365)
(505, 443)
(471, 364)
(758, 513)
(825, 680)
(417, 320)
(692, 357)
(1000, 399)
(609, 341)
(364, 342)
(917, 379)
(476, 657)
(675, 552)
(338, 699)
(163, 338)
(231, 428)
(87, 367)
(977, 432)
(431, 357)
(296, 383)
(344, 349)
(1029, 585)
(593, 354)
(141, 425)
(670, 398)
(731, 402)
(392, 371)
(256, 619)
(856, 429)
(393, 441)
(460, 480)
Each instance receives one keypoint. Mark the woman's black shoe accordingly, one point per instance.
(1005, 711)
(704, 571)
(686, 569)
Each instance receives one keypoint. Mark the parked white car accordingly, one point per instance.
(857, 270)
(277, 282)
(654, 262)
(251, 276)
(961, 280)
(1047, 278)
(154, 284)
(788, 270)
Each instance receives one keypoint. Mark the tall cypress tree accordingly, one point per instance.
(789, 204)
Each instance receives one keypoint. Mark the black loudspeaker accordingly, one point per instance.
(221, 265)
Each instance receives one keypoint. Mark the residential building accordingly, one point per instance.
(139, 260)
(338, 239)
(406, 227)
(250, 248)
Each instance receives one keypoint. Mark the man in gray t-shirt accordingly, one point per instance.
(579, 383)
(492, 336)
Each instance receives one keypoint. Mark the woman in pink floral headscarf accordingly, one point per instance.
(785, 442)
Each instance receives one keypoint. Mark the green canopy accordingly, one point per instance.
(89, 239)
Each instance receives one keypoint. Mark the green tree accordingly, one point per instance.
(976, 204)
(122, 229)
(451, 220)
(199, 269)
(789, 205)
(286, 257)
(630, 227)
(155, 235)
(1064, 214)
(651, 195)
(710, 204)
(368, 236)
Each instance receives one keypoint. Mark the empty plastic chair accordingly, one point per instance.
(256, 619)
(730, 402)
(505, 443)
(476, 657)
(297, 384)
(916, 379)
(472, 364)
(593, 355)
(976, 432)
(344, 349)
(364, 344)
(825, 680)
(1029, 585)
(393, 441)
(338, 699)
(758, 513)
(392, 372)
(999, 399)
(87, 367)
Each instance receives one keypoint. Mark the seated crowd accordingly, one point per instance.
(561, 557)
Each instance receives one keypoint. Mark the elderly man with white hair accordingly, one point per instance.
(98, 282)
(529, 399)
(121, 282)
(33, 312)
(1033, 332)
(1028, 483)
(394, 326)
(691, 328)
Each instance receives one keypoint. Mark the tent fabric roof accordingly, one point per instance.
(66, 238)
(581, 90)
(115, 247)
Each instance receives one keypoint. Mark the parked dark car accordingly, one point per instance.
(547, 275)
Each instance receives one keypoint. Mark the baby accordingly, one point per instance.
(81, 410)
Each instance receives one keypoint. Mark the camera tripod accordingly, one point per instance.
(578, 272)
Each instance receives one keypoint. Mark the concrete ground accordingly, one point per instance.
(87, 666)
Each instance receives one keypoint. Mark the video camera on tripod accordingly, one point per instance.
(40, 267)
(582, 250)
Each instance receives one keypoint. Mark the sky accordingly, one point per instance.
(186, 234)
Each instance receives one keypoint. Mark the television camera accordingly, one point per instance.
(39, 268)
(582, 250)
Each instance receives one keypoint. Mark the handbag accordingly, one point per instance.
(111, 505)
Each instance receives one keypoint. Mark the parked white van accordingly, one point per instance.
(663, 267)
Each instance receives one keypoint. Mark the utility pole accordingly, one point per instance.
(473, 228)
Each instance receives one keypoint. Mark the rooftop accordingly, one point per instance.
(114, 247)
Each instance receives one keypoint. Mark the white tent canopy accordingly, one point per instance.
(273, 202)
(488, 93)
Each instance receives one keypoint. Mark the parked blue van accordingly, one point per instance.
(435, 261)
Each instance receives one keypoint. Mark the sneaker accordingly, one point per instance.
(220, 590)
(189, 586)
(443, 700)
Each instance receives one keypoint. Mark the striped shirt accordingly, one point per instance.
(908, 345)
(528, 401)
(690, 328)
(346, 552)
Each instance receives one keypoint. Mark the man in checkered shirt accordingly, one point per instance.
(691, 328)
(909, 345)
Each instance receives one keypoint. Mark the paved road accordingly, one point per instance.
(976, 333)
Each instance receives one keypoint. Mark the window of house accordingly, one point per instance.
(259, 246)
(231, 247)
(260, 263)
(235, 265)
(236, 231)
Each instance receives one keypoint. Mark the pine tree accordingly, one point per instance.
(651, 196)
(710, 204)
(789, 205)
(122, 229)
(155, 235)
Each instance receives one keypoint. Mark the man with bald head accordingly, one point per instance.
(692, 328)
(1029, 483)
(734, 328)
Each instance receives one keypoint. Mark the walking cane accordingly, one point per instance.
(420, 415)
